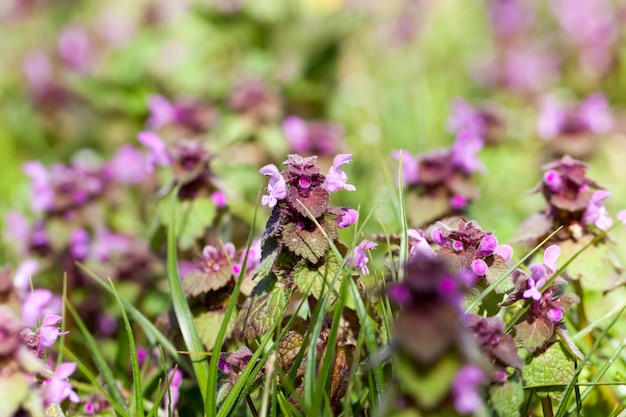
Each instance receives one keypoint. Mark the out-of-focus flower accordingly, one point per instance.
(162, 112)
(43, 194)
(464, 150)
(75, 48)
(158, 150)
(175, 378)
(510, 18)
(58, 388)
(219, 199)
(79, 244)
(255, 100)
(410, 167)
(336, 179)
(38, 70)
(591, 116)
(312, 137)
(128, 165)
(24, 273)
(466, 389)
(33, 306)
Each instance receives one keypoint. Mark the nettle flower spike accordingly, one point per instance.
(336, 178)
(276, 187)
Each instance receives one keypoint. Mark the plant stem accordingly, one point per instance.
(546, 405)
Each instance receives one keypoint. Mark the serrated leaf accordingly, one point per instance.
(507, 398)
(192, 220)
(497, 268)
(261, 311)
(534, 334)
(288, 349)
(311, 245)
(315, 279)
(533, 229)
(552, 367)
(594, 269)
(315, 201)
(208, 324)
(201, 282)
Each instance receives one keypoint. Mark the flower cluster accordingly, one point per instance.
(481, 121)
(575, 202)
(548, 306)
(445, 174)
(318, 138)
(429, 331)
(574, 131)
(23, 344)
(468, 247)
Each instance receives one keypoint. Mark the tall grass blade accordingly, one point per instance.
(99, 361)
(137, 390)
(182, 311)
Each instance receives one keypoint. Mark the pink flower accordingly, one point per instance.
(505, 251)
(276, 187)
(158, 150)
(465, 389)
(348, 218)
(57, 389)
(359, 259)
(219, 199)
(22, 277)
(175, 378)
(479, 267)
(74, 47)
(34, 305)
(48, 332)
(336, 179)
(162, 112)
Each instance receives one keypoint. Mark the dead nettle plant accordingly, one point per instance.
(305, 263)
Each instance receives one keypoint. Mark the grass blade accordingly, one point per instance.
(137, 390)
(182, 311)
(99, 361)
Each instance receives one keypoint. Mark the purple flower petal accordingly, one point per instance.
(336, 179)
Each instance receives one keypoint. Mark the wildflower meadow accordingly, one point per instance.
(313, 208)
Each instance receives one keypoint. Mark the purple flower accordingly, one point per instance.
(57, 389)
(465, 389)
(621, 216)
(596, 114)
(510, 17)
(219, 199)
(437, 236)
(536, 280)
(79, 244)
(464, 150)
(458, 202)
(457, 246)
(296, 131)
(74, 47)
(276, 187)
(550, 256)
(348, 218)
(22, 277)
(336, 179)
(505, 251)
(419, 246)
(162, 112)
(487, 245)
(465, 118)
(359, 259)
(553, 180)
(43, 193)
(400, 294)
(48, 332)
(175, 378)
(128, 165)
(34, 305)
(410, 167)
(555, 315)
(592, 115)
(596, 213)
(38, 70)
(158, 150)
(479, 267)
(106, 243)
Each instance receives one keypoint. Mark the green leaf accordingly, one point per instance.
(496, 269)
(310, 245)
(208, 324)
(595, 268)
(192, 220)
(553, 367)
(315, 279)
(534, 334)
(507, 398)
(261, 312)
